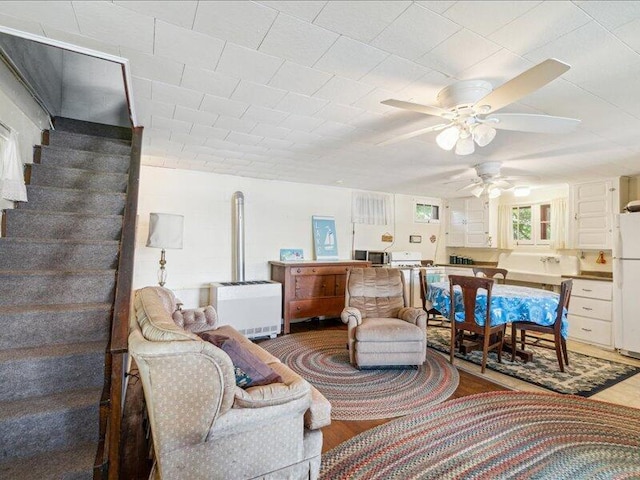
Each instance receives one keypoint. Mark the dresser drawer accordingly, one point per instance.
(590, 330)
(592, 289)
(590, 307)
(332, 270)
(315, 307)
(309, 286)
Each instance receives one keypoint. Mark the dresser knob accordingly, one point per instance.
(298, 270)
(298, 308)
(313, 270)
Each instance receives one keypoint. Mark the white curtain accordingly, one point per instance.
(11, 174)
(558, 223)
(505, 228)
(370, 208)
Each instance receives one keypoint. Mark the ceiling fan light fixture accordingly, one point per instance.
(494, 193)
(477, 191)
(483, 134)
(448, 138)
(465, 146)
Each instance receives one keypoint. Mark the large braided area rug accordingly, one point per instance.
(584, 376)
(322, 358)
(497, 435)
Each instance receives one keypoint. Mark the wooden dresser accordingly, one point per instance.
(312, 289)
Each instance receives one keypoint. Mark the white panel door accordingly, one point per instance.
(477, 230)
(592, 212)
(456, 222)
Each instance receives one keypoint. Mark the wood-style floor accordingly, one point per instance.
(135, 464)
(341, 430)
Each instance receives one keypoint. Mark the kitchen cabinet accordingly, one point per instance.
(592, 206)
(471, 222)
(590, 312)
(312, 289)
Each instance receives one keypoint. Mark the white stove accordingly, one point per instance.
(409, 263)
(405, 259)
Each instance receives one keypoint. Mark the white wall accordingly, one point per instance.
(21, 113)
(277, 215)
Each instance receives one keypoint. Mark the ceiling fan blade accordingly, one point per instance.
(406, 136)
(470, 185)
(504, 185)
(416, 107)
(522, 85)
(526, 122)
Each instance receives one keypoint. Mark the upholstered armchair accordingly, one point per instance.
(383, 331)
(203, 425)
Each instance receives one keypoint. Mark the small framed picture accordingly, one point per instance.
(291, 254)
(415, 238)
(324, 238)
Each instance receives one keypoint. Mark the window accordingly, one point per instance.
(521, 223)
(545, 222)
(531, 224)
(426, 213)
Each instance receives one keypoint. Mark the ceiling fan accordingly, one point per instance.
(490, 181)
(468, 108)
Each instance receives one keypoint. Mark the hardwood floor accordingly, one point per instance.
(341, 430)
(135, 464)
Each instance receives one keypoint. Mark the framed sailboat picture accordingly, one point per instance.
(324, 238)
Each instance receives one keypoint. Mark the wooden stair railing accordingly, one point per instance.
(107, 462)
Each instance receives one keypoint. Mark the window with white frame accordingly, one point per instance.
(426, 213)
(531, 224)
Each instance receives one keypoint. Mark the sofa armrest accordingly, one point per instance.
(351, 316)
(416, 316)
(319, 413)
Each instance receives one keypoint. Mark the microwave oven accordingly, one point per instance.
(376, 258)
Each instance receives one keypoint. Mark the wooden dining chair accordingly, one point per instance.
(432, 313)
(558, 343)
(492, 337)
(490, 272)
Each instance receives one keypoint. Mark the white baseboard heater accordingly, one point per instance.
(254, 308)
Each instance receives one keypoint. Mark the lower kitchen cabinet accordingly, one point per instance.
(312, 289)
(590, 312)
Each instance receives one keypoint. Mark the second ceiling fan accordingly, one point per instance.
(468, 108)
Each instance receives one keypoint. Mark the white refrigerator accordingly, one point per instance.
(626, 277)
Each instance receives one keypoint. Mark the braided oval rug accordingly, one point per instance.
(322, 358)
(497, 435)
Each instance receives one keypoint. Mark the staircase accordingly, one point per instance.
(58, 259)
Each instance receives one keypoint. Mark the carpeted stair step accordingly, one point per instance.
(58, 254)
(51, 287)
(70, 158)
(91, 128)
(24, 223)
(52, 422)
(90, 143)
(71, 464)
(33, 326)
(45, 370)
(52, 199)
(76, 178)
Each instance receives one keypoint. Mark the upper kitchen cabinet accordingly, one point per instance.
(592, 209)
(471, 222)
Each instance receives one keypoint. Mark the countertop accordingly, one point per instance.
(588, 275)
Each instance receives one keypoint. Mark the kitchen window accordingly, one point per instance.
(426, 213)
(531, 224)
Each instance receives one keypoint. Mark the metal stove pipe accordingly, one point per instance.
(238, 236)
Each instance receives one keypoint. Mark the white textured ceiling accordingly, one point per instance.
(291, 90)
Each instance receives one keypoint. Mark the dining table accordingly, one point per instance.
(509, 303)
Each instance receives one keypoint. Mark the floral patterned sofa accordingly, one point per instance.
(203, 425)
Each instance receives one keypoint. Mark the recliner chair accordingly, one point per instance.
(383, 330)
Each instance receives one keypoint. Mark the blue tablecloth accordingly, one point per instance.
(509, 303)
